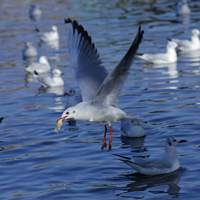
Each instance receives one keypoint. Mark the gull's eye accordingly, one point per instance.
(74, 111)
(67, 113)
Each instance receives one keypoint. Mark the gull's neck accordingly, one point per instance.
(172, 54)
(170, 153)
(195, 40)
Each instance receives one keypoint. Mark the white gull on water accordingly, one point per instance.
(99, 89)
(167, 164)
(41, 67)
(48, 36)
(47, 81)
(187, 45)
(161, 58)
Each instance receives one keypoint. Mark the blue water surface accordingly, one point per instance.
(37, 163)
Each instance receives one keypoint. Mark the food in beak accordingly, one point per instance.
(58, 125)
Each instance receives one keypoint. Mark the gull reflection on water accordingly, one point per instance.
(144, 183)
(54, 90)
(172, 68)
(185, 19)
(134, 143)
(54, 44)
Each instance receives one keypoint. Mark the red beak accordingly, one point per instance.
(62, 73)
(63, 118)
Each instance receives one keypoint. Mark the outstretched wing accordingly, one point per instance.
(113, 84)
(86, 65)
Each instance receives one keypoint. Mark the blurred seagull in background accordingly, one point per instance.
(167, 164)
(35, 12)
(169, 57)
(41, 67)
(187, 45)
(29, 51)
(182, 8)
(99, 89)
(48, 36)
(47, 81)
(131, 128)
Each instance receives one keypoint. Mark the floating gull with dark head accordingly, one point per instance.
(100, 90)
(167, 164)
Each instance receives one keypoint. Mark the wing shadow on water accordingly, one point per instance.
(144, 183)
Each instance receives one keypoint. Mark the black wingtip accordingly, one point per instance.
(169, 39)
(80, 30)
(35, 72)
(37, 30)
(68, 21)
(3, 117)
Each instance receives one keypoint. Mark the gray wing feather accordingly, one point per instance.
(153, 163)
(113, 84)
(86, 66)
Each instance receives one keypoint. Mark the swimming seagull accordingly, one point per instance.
(48, 36)
(187, 45)
(72, 98)
(131, 128)
(167, 164)
(41, 67)
(169, 57)
(182, 8)
(29, 51)
(100, 90)
(47, 81)
(35, 12)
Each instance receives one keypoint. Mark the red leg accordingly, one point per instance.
(110, 142)
(104, 139)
